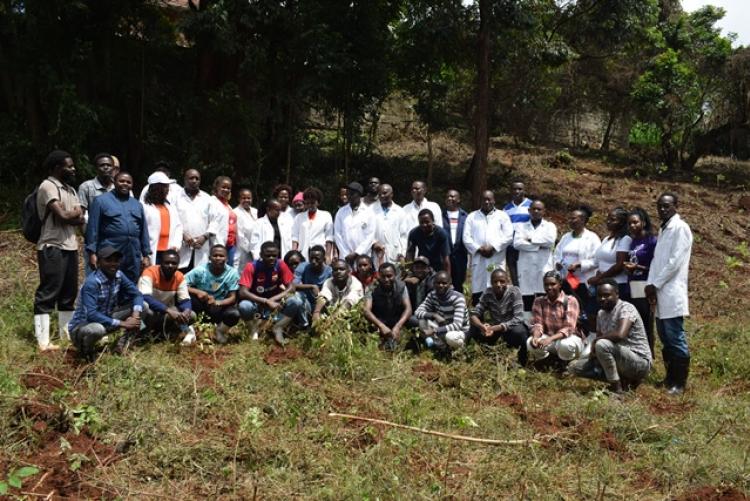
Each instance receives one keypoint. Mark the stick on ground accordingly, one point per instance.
(488, 441)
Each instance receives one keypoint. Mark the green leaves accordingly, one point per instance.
(15, 478)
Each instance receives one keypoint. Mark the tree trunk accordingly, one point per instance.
(430, 161)
(481, 132)
(289, 136)
(608, 132)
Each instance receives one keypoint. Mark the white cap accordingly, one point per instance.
(159, 177)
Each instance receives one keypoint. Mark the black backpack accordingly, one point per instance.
(31, 221)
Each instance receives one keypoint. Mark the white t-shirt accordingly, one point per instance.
(606, 255)
(453, 220)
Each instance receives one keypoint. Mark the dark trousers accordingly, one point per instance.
(229, 315)
(511, 259)
(528, 301)
(58, 280)
(644, 310)
(458, 270)
(513, 338)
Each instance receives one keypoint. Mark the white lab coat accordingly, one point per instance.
(153, 222)
(391, 231)
(198, 218)
(354, 231)
(221, 216)
(172, 195)
(246, 221)
(582, 249)
(534, 246)
(412, 210)
(669, 269)
(263, 232)
(480, 229)
(309, 233)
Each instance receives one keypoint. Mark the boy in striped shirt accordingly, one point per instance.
(443, 316)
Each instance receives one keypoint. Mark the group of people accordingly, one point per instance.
(158, 262)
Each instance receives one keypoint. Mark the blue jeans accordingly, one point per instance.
(673, 337)
(248, 309)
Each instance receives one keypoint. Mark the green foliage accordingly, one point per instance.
(86, 416)
(15, 478)
(645, 135)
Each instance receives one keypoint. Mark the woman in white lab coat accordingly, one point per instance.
(158, 210)
(574, 258)
(534, 241)
(275, 226)
(313, 226)
(247, 218)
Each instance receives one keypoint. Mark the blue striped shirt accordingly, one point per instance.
(518, 213)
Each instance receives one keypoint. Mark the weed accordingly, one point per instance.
(15, 478)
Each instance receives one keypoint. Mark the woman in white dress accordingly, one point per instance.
(611, 255)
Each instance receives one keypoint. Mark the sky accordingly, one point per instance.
(736, 20)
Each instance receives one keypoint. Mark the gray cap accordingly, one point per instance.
(107, 251)
(355, 186)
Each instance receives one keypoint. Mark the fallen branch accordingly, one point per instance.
(465, 438)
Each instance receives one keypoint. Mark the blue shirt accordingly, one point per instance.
(101, 296)
(518, 213)
(219, 286)
(305, 275)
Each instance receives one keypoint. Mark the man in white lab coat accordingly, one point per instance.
(199, 221)
(534, 241)
(391, 231)
(667, 286)
(487, 233)
(354, 226)
(419, 202)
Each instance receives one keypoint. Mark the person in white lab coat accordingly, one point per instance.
(534, 241)
(275, 226)
(354, 226)
(174, 188)
(313, 226)
(574, 259)
(667, 286)
(199, 221)
(419, 202)
(247, 217)
(487, 233)
(391, 231)
(162, 219)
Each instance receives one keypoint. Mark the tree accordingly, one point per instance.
(682, 82)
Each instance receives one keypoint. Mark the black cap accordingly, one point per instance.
(107, 251)
(355, 186)
(422, 259)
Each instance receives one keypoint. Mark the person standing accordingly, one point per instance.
(313, 226)
(613, 252)
(430, 241)
(283, 194)
(487, 234)
(174, 189)
(227, 233)
(116, 219)
(162, 219)
(454, 219)
(354, 226)
(372, 190)
(99, 185)
(247, 218)
(200, 221)
(57, 248)
(275, 226)
(391, 231)
(639, 262)
(534, 241)
(518, 211)
(667, 287)
(419, 202)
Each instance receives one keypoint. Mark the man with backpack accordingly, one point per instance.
(58, 214)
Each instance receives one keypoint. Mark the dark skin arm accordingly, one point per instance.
(613, 271)
(271, 302)
(447, 264)
(617, 335)
(73, 216)
(229, 300)
(486, 329)
(201, 295)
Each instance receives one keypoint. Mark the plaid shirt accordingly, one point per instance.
(553, 318)
(101, 296)
(507, 310)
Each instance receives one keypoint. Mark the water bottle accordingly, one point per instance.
(429, 341)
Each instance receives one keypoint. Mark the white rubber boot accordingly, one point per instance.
(278, 329)
(63, 319)
(253, 325)
(189, 338)
(41, 331)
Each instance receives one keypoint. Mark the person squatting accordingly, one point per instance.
(154, 264)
